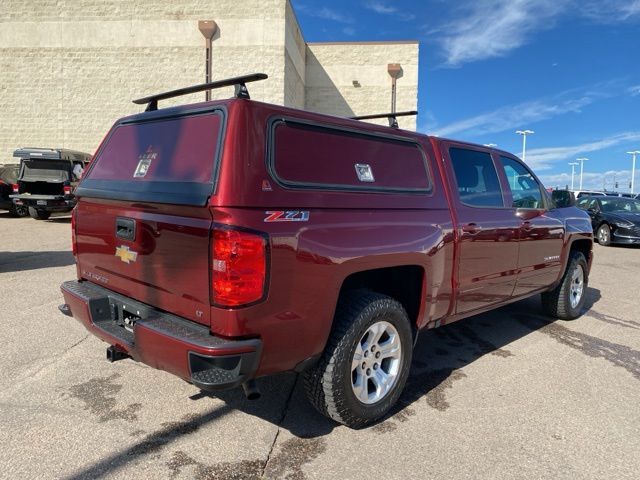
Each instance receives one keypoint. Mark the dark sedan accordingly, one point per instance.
(614, 219)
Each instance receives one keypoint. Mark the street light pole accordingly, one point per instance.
(573, 172)
(581, 160)
(633, 168)
(524, 134)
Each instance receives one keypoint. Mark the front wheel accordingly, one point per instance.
(366, 362)
(604, 235)
(567, 299)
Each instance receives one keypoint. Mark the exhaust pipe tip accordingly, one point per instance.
(251, 391)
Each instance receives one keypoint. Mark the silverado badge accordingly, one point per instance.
(126, 255)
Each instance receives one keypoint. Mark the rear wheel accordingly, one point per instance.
(567, 299)
(18, 210)
(604, 235)
(39, 214)
(366, 361)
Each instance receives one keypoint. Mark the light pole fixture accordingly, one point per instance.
(581, 160)
(208, 28)
(524, 134)
(633, 168)
(573, 172)
(395, 71)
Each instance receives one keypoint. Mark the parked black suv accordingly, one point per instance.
(47, 179)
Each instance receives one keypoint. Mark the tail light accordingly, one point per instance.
(74, 244)
(239, 267)
(16, 188)
(67, 189)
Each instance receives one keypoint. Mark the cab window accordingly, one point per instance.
(477, 178)
(526, 192)
(583, 203)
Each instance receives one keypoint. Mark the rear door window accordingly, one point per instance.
(309, 155)
(168, 161)
(476, 178)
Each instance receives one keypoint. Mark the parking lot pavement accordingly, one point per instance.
(507, 394)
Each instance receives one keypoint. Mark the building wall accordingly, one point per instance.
(294, 61)
(333, 67)
(70, 68)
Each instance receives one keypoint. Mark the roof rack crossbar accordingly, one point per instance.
(392, 117)
(238, 82)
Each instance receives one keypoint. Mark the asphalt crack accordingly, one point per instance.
(282, 417)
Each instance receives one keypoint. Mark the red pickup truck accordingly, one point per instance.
(229, 240)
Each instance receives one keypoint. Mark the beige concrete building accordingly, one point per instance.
(69, 69)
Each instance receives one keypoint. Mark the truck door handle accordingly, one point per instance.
(471, 228)
(526, 226)
(126, 228)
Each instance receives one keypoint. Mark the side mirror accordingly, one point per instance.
(563, 198)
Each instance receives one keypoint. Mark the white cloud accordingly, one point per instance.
(324, 13)
(516, 116)
(493, 28)
(485, 29)
(610, 11)
(524, 114)
(590, 180)
(384, 8)
(634, 91)
(544, 158)
(380, 7)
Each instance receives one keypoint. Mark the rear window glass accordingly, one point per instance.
(315, 156)
(170, 161)
(45, 171)
(9, 174)
(176, 150)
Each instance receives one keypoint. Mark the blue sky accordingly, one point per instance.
(567, 69)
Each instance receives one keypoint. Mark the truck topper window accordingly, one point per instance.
(169, 160)
(307, 155)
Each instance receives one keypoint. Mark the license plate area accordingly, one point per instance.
(123, 317)
(118, 317)
(41, 202)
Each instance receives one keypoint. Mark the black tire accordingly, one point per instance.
(604, 235)
(39, 214)
(21, 211)
(329, 383)
(558, 302)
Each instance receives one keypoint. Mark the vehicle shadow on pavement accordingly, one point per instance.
(21, 261)
(438, 361)
(65, 219)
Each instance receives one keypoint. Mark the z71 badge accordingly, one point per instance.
(287, 216)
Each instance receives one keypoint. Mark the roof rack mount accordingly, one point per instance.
(238, 82)
(392, 117)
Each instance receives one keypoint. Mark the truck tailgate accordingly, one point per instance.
(165, 261)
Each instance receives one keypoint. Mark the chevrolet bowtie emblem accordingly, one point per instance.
(126, 255)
